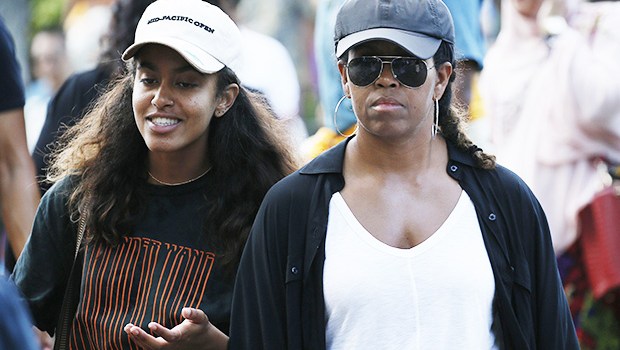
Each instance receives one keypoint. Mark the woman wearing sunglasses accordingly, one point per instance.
(405, 235)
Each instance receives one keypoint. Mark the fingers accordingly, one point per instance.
(170, 335)
(193, 327)
(211, 335)
(142, 338)
(45, 341)
(194, 315)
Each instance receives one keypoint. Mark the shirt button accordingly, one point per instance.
(294, 270)
(492, 217)
(454, 168)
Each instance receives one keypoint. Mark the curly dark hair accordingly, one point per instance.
(452, 120)
(106, 154)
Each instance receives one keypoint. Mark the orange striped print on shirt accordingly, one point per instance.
(139, 281)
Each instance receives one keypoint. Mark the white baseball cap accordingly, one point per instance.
(200, 32)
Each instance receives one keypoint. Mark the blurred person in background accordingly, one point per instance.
(16, 331)
(50, 68)
(554, 107)
(15, 16)
(291, 23)
(268, 68)
(85, 24)
(19, 193)
(470, 50)
(335, 124)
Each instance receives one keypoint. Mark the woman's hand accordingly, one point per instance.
(195, 332)
(45, 341)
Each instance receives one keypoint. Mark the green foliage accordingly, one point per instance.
(46, 13)
(599, 321)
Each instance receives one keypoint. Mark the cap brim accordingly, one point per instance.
(198, 58)
(420, 45)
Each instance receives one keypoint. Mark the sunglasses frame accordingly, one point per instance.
(383, 62)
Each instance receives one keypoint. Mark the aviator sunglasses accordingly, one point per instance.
(409, 71)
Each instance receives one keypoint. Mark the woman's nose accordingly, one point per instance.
(162, 98)
(386, 78)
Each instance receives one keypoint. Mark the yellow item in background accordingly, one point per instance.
(324, 139)
(476, 109)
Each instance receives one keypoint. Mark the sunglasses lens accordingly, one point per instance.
(409, 71)
(365, 70)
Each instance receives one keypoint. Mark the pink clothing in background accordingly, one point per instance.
(554, 105)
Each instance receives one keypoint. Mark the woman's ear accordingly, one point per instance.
(343, 78)
(226, 99)
(444, 71)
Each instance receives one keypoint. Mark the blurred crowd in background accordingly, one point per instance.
(542, 93)
(55, 38)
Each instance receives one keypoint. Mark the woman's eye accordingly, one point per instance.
(147, 81)
(185, 85)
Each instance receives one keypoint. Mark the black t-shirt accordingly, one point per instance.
(164, 264)
(11, 86)
(11, 93)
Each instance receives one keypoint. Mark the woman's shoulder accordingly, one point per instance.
(327, 167)
(298, 190)
(64, 185)
(505, 177)
(510, 189)
(60, 191)
(292, 186)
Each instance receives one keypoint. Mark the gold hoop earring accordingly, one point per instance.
(435, 127)
(335, 117)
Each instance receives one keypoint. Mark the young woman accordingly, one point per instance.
(168, 171)
(406, 235)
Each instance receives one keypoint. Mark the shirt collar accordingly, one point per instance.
(331, 161)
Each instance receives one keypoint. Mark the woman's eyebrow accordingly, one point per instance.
(153, 67)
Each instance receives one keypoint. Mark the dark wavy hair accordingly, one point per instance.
(452, 118)
(107, 157)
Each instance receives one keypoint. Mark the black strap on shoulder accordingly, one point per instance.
(72, 293)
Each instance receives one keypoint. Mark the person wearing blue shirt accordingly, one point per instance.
(15, 321)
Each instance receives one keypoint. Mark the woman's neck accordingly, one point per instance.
(172, 170)
(411, 156)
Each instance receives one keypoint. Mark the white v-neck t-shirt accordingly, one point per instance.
(436, 295)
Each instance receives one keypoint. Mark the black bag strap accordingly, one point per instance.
(72, 294)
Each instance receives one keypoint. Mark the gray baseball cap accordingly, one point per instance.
(418, 26)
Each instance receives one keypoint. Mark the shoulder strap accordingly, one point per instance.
(80, 235)
(72, 294)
